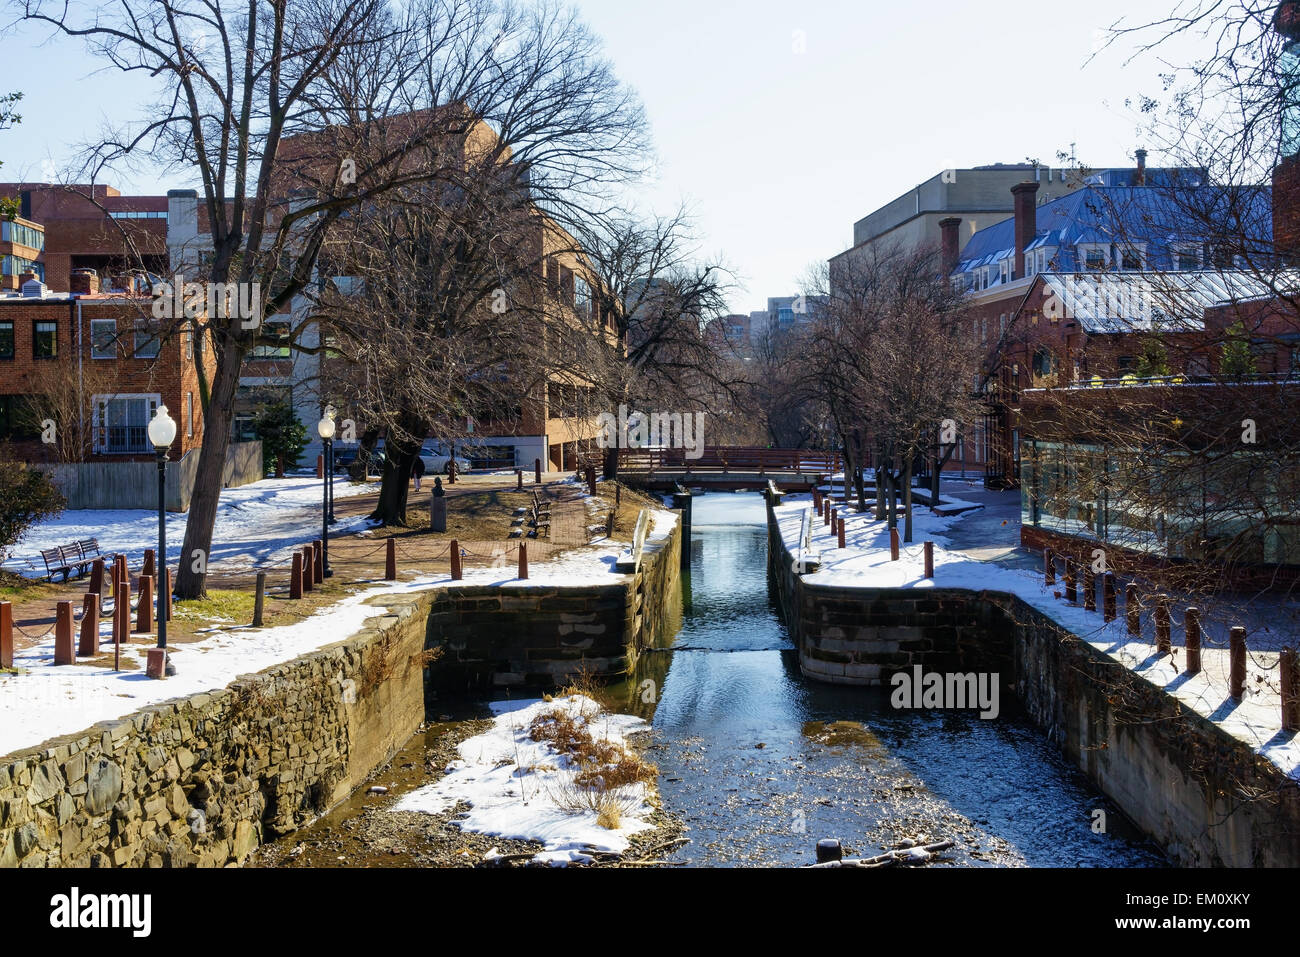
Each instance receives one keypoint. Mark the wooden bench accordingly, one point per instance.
(74, 556)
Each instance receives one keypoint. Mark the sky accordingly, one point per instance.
(779, 124)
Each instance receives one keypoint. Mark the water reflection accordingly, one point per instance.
(762, 763)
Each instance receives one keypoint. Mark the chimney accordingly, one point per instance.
(949, 243)
(1141, 178)
(84, 282)
(1026, 221)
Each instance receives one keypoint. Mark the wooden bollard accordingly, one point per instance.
(1192, 636)
(929, 559)
(89, 646)
(147, 568)
(63, 650)
(1132, 610)
(144, 607)
(1290, 691)
(1089, 588)
(1163, 644)
(1237, 663)
(96, 578)
(320, 466)
(591, 480)
(317, 562)
(259, 600)
(6, 634)
(1049, 567)
(519, 479)
(817, 500)
(1071, 583)
(537, 471)
(1108, 610)
(523, 561)
(893, 544)
(123, 573)
(295, 577)
(308, 574)
(390, 561)
(456, 573)
(826, 515)
(839, 534)
(122, 610)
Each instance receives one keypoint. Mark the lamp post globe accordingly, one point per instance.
(162, 433)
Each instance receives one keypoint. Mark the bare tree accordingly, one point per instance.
(278, 107)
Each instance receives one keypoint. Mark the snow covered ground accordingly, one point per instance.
(257, 523)
(521, 789)
(865, 563)
(44, 701)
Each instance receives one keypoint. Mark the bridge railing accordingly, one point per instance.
(729, 459)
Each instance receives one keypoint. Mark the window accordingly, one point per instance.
(1002, 326)
(1044, 362)
(103, 338)
(275, 343)
(147, 342)
(1131, 259)
(122, 423)
(1187, 257)
(124, 214)
(582, 297)
(45, 339)
(6, 339)
(189, 414)
(22, 235)
(1095, 257)
(16, 419)
(17, 265)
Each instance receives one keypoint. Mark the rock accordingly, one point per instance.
(244, 842)
(25, 839)
(377, 789)
(46, 782)
(103, 786)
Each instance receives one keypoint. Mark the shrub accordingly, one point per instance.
(27, 496)
(283, 436)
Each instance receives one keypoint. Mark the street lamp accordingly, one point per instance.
(162, 432)
(325, 428)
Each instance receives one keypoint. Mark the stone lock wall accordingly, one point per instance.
(203, 780)
(539, 636)
(1201, 794)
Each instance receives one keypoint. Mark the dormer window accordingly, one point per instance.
(1095, 256)
(1186, 257)
(1132, 258)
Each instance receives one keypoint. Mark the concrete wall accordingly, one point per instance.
(135, 484)
(1201, 794)
(203, 780)
(541, 636)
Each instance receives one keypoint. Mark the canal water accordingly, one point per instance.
(762, 763)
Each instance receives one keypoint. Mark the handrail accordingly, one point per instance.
(726, 460)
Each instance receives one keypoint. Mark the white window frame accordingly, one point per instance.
(1139, 248)
(1083, 249)
(113, 346)
(1178, 250)
(135, 341)
(100, 426)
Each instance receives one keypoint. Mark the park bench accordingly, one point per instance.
(535, 517)
(74, 556)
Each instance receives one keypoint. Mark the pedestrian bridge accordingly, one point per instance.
(727, 468)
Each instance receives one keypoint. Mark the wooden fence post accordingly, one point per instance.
(1192, 634)
(456, 572)
(147, 568)
(390, 560)
(893, 544)
(1089, 588)
(1071, 582)
(144, 607)
(839, 532)
(1108, 597)
(929, 559)
(295, 577)
(1163, 643)
(308, 576)
(6, 634)
(89, 626)
(63, 650)
(259, 600)
(537, 471)
(523, 561)
(1237, 667)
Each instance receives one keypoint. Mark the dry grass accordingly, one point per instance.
(632, 501)
(604, 768)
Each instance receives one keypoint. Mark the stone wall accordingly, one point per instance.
(203, 780)
(539, 636)
(1201, 794)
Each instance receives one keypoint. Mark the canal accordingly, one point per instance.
(761, 763)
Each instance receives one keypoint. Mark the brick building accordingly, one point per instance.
(96, 364)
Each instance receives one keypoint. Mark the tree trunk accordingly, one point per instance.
(394, 487)
(611, 462)
(192, 574)
(860, 477)
(279, 466)
(882, 483)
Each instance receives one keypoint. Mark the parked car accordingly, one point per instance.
(437, 459)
